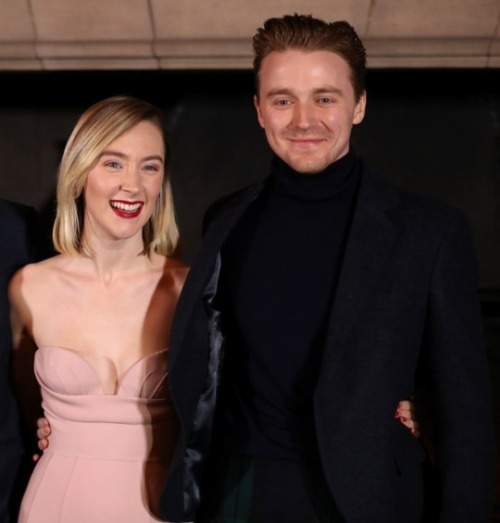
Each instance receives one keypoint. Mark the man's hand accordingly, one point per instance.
(43, 433)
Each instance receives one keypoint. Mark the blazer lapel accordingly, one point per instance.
(367, 251)
(205, 266)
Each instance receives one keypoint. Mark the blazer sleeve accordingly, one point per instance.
(461, 389)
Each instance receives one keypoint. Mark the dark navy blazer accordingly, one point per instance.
(406, 315)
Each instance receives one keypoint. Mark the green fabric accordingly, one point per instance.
(234, 493)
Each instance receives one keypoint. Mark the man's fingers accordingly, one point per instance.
(43, 432)
(42, 422)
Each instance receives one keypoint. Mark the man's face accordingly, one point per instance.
(307, 107)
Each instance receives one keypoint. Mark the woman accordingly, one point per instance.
(96, 318)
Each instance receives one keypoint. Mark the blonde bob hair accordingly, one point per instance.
(97, 127)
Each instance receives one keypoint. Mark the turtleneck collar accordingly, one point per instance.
(320, 186)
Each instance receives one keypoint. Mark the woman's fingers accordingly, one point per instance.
(405, 412)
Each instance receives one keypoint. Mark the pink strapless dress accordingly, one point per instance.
(108, 454)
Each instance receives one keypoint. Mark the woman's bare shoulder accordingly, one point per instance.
(36, 275)
(26, 287)
(37, 270)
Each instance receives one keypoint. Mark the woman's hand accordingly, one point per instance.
(405, 412)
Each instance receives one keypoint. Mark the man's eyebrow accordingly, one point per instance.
(328, 89)
(279, 91)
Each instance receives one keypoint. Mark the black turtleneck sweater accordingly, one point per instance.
(279, 271)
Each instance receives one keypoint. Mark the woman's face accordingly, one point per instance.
(122, 188)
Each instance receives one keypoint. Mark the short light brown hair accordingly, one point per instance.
(306, 33)
(97, 127)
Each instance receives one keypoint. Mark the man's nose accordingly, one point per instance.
(303, 115)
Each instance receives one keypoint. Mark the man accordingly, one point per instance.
(21, 243)
(318, 299)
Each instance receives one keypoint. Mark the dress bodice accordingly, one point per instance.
(108, 454)
(65, 371)
(134, 423)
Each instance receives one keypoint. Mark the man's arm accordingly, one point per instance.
(461, 399)
(406, 413)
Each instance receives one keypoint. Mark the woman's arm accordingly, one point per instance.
(26, 388)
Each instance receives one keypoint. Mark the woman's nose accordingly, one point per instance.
(131, 180)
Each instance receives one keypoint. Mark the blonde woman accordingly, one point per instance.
(96, 319)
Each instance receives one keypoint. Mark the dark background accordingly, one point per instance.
(436, 132)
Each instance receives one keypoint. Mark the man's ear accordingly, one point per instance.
(256, 104)
(359, 110)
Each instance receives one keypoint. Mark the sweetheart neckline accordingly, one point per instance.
(119, 381)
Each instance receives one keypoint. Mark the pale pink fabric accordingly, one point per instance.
(108, 454)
